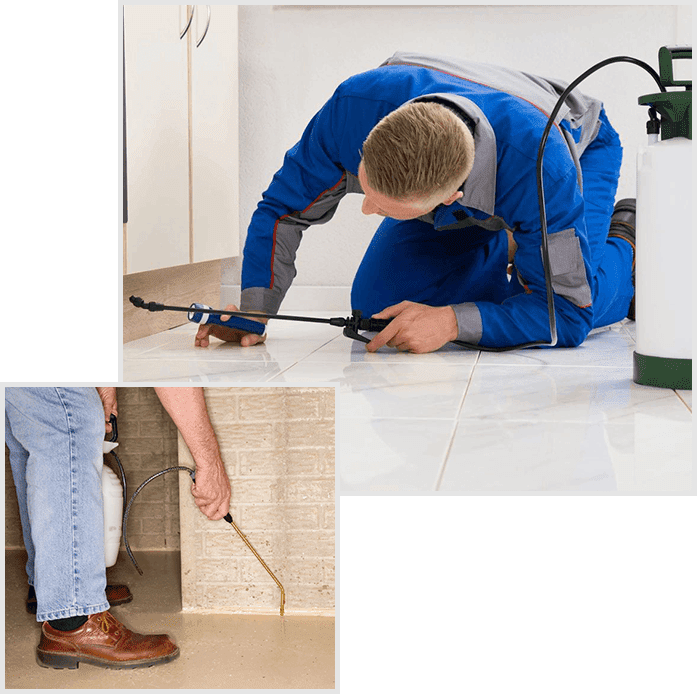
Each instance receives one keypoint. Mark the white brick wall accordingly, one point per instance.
(278, 449)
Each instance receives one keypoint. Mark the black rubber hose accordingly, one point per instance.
(540, 186)
(114, 436)
(541, 202)
(130, 503)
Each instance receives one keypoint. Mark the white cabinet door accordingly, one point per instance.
(156, 137)
(214, 100)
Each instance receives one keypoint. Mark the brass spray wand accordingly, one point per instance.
(228, 518)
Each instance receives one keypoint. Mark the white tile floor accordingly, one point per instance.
(561, 420)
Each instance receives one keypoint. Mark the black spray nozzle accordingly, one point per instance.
(114, 431)
(150, 306)
(357, 322)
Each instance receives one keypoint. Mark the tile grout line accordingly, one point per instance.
(280, 373)
(439, 479)
(197, 360)
(680, 397)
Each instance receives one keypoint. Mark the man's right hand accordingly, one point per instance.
(228, 334)
(211, 491)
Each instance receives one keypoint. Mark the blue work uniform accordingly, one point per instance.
(457, 254)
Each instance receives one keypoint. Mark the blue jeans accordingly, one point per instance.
(55, 436)
(410, 260)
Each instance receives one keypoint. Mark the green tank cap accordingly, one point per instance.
(674, 107)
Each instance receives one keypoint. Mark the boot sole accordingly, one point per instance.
(64, 661)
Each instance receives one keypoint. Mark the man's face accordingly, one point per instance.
(377, 203)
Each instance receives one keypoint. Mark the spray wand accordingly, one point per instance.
(200, 313)
(192, 473)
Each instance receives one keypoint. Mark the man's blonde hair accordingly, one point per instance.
(419, 151)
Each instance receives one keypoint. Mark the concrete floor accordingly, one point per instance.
(217, 651)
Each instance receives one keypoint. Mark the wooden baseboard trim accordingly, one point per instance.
(176, 286)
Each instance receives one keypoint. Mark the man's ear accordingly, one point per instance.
(455, 196)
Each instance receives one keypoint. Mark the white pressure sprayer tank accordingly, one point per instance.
(663, 298)
(112, 493)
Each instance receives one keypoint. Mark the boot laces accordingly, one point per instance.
(106, 621)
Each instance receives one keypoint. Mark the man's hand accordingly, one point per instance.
(228, 334)
(211, 491)
(415, 328)
(187, 408)
(108, 396)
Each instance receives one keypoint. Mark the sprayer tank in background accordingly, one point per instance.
(112, 494)
(664, 249)
(663, 285)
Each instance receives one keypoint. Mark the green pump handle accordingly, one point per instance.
(666, 56)
(675, 107)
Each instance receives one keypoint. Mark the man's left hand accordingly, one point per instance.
(415, 328)
(108, 397)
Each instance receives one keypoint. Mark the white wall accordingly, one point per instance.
(292, 58)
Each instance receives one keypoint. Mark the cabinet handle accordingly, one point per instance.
(205, 31)
(188, 24)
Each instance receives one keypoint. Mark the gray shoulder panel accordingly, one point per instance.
(580, 110)
(288, 235)
(322, 209)
(353, 185)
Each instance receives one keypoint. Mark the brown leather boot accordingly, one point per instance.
(103, 641)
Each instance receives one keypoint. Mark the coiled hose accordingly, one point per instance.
(132, 499)
(228, 518)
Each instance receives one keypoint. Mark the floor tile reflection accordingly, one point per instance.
(456, 420)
